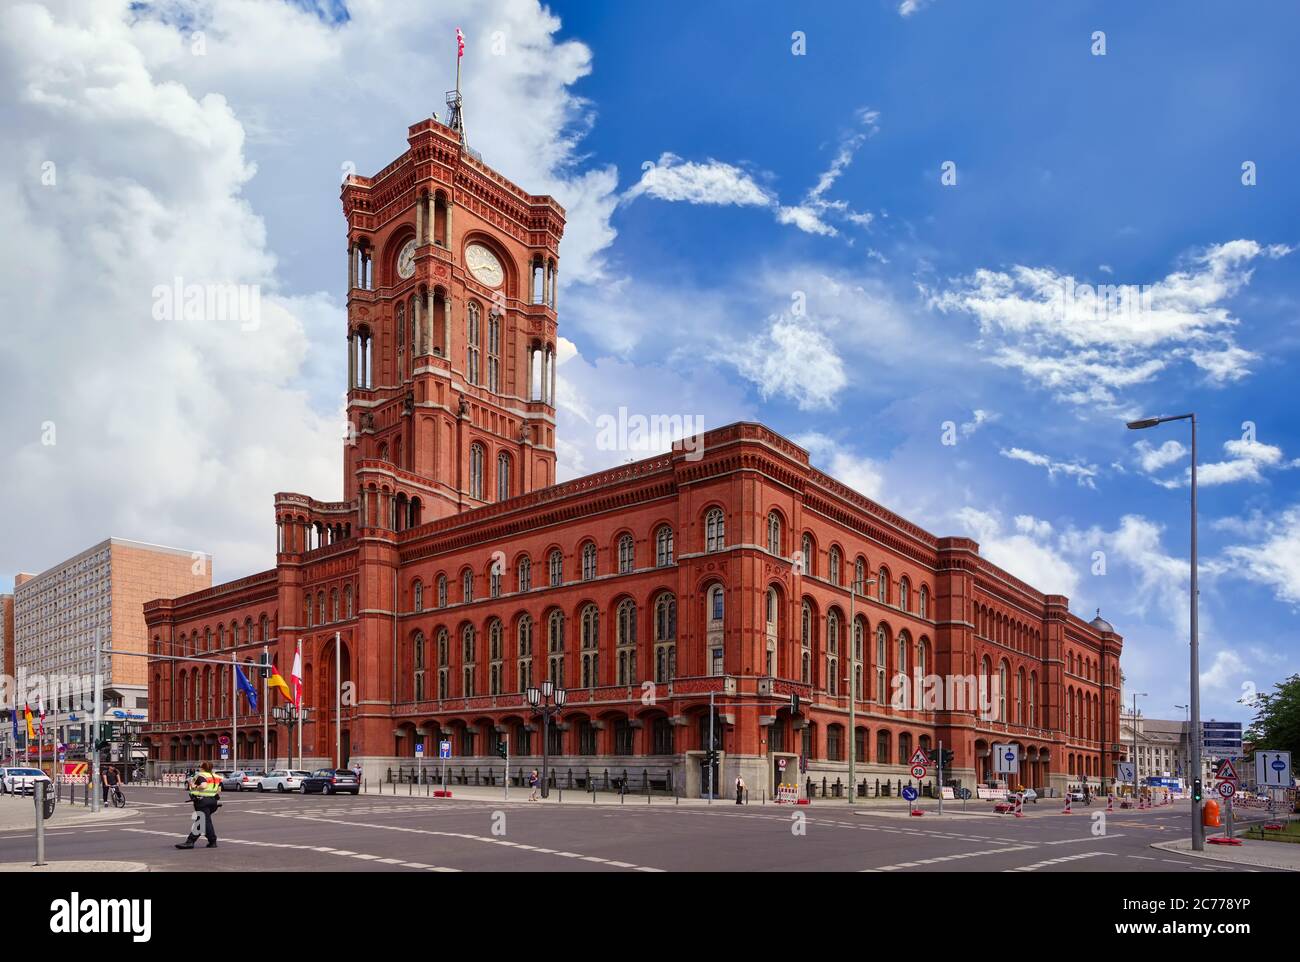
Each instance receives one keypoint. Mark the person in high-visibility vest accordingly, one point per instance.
(205, 793)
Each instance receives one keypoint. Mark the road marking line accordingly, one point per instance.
(311, 848)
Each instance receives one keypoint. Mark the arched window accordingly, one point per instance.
(555, 564)
(1033, 709)
(495, 570)
(774, 533)
(859, 636)
(1020, 694)
(266, 624)
(444, 664)
(626, 547)
(467, 586)
(882, 585)
(417, 683)
(664, 546)
(589, 625)
(902, 668)
(588, 561)
(625, 642)
(503, 476)
(923, 602)
(417, 595)
(715, 612)
(473, 343)
(496, 655)
(806, 555)
(1002, 692)
(476, 471)
(904, 593)
(771, 621)
(715, 530)
(805, 643)
(525, 570)
(922, 658)
(882, 643)
(524, 639)
(442, 591)
(494, 352)
(833, 565)
(469, 660)
(832, 652)
(665, 637)
(555, 647)
(334, 609)
(860, 576)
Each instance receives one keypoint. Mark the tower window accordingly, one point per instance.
(494, 352)
(474, 343)
(476, 471)
(503, 476)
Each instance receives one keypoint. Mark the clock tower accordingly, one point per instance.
(451, 334)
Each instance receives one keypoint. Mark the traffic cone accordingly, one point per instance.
(1020, 806)
(1067, 810)
(1110, 803)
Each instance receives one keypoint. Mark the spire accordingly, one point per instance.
(456, 117)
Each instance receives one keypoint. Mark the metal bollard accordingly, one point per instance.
(410, 788)
(39, 793)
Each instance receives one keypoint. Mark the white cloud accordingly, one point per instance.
(810, 215)
(1273, 561)
(978, 419)
(1086, 343)
(154, 151)
(792, 358)
(909, 7)
(1083, 474)
(1246, 460)
(862, 474)
(1153, 459)
(712, 182)
(1028, 553)
(1226, 672)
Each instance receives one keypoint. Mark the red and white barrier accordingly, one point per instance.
(1067, 810)
(1110, 803)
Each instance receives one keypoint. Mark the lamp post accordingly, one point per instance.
(1194, 704)
(1187, 722)
(1134, 722)
(546, 701)
(289, 716)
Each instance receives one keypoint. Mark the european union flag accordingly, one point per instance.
(246, 688)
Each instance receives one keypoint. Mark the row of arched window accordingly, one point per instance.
(224, 636)
(1087, 667)
(1083, 713)
(478, 479)
(316, 612)
(587, 570)
(1014, 634)
(518, 657)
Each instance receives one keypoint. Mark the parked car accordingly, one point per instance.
(22, 780)
(283, 780)
(1030, 795)
(1076, 795)
(242, 781)
(328, 781)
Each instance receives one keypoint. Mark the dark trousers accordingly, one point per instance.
(206, 806)
(738, 791)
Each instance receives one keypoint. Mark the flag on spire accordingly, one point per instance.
(295, 677)
(460, 44)
(277, 681)
(246, 687)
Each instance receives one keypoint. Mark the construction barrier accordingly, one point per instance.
(787, 794)
(1067, 810)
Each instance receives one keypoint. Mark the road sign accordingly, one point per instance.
(419, 749)
(1125, 771)
(918, 771)
(909, 793)
(444, 749)
(1272, 769)
(919, 758)
(225, 752)
(1006, 759)
(224, 739)
(780, 764)
(1227, 771)
(1227, 789)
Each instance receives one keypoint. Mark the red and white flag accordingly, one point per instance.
(40, 710)
(295, 678)
(460, 44)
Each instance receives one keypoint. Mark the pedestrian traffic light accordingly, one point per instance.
(1196, 790)
(502, 748)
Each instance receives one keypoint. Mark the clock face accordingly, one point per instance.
(406, 260)
(483, 264)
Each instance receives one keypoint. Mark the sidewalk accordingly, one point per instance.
(82, 866)
(18, 813)
(1277, 855)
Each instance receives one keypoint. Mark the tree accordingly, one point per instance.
(1277, 718)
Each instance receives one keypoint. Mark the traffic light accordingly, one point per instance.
(794, 703)
(711, 756)
(1196, 790)
(264, 665)
(502, 749)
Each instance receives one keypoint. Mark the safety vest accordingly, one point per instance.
(211, 786)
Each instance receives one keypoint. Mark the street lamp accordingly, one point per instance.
(290, 716)
(546, 701)
(1186, 721)
(1198, 830)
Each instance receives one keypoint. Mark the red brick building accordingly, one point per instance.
(455, 573)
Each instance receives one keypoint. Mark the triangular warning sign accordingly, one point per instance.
(919, 758)
(1227, 772)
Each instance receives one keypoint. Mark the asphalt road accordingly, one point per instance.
(369, 833)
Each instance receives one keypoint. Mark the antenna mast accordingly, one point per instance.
(456, 118)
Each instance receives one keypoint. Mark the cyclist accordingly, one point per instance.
(112, 781)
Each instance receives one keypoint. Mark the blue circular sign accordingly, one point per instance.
(909, 793)
(1278, 765)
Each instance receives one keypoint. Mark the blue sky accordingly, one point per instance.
(790, 256)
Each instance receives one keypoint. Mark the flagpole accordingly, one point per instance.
(297, 709)
(234, 712)
(266, 736)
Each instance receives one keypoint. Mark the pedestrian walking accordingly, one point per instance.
(740, 790)
(205, 793)
(356, 770)
(534, 783)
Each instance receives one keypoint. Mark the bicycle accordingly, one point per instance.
(117, 796)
